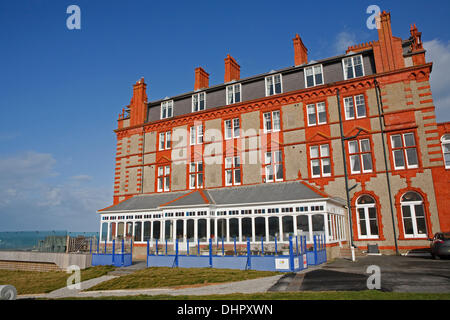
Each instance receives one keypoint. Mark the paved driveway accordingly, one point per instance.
(398, 274)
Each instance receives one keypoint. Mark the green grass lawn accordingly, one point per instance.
(31, 282)
(308, 295)
(162, 277)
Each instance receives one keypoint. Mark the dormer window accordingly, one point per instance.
(234, 93)
(166, 109)
(198, 101)
(313, 76)
(273, 85)
(353, 67)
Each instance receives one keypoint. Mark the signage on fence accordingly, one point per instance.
(296, 263)
(282, 264)
(305, 261)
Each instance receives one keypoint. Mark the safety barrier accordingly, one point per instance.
(264, 258)
(120, 256)
(318, 254)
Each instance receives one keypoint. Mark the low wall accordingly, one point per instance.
(42, 261)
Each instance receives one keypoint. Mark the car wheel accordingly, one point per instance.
(435, 257)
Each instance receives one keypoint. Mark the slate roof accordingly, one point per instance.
(271, 192)
(262, 193)
(149, 202)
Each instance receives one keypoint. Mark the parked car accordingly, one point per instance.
(440, 245)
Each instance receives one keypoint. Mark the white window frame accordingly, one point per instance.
(196, 173)
(354, 107)
(359, 154)
(196, 134)
(344, 69)
(230, 130)
(412, 209)
(273, 84)
(316, 113)
(272, 122)
(445, 141)
(232, 88)
(197, 96)
(366, 207)
(321, 159)
(166, 139)
(273, 163)
(230, 168)
(166, 106)
(314, 76)
(164, 187)
(403, 149)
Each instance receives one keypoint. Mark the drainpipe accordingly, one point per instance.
(381, 118)
(344, 157)
(143, 158)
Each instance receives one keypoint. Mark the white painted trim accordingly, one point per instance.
(314, 75)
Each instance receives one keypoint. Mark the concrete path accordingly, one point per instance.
(66, 292)
(247, 286)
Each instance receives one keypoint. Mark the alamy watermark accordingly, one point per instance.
(74, 20)
(374, 280)
(373, 21)
(74, 280)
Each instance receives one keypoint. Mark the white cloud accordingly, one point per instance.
(343, 40)
(438, 52)
(33, 196)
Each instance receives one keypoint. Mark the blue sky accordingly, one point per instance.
(62, 90)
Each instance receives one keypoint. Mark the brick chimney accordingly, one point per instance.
(416, 47)
(388, 50)
(138, 104)
(232, 69)
(201, 79)
(300, 51)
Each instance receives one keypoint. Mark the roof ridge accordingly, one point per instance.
(176, 199)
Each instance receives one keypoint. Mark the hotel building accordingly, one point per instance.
(347, 146)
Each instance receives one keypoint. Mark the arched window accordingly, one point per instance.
(445, 140)
(413, 213)
(367, 217)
